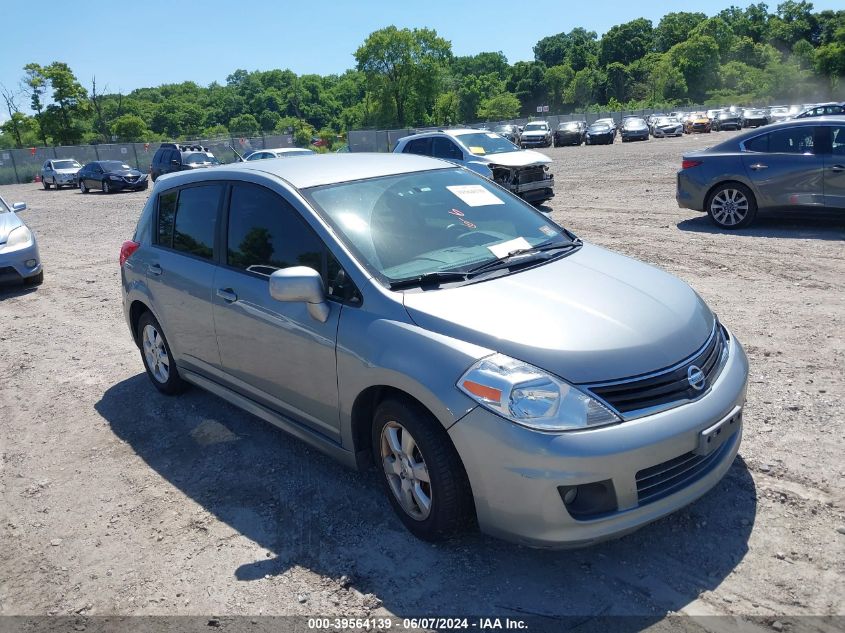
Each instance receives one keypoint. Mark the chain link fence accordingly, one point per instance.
(385, 140)
(23, 165)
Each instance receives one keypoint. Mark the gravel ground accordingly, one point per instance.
(119, 501)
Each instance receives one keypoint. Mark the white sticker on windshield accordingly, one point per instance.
(491, 135)
(475, 195)
(504, 249)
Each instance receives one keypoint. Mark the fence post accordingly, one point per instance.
(55, 155)
(135, 151)
(96, 152)
(14, 166)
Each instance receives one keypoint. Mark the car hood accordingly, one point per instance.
(67, 170)
(535, 133)
(8, 221)
(519, 158)
(125, 172)
(599, 130)
(589, 317)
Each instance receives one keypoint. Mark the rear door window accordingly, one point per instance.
(796, 140)
(420, 146)
(444, 148)
(837, 140)
(187, 219)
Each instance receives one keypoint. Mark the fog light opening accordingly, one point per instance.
(569, 496)
(30, 263)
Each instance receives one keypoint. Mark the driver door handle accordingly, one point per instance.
(227, 294)
(154, 269)
(758, 166)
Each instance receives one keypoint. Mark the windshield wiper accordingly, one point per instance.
(433, 277)
(504, 262)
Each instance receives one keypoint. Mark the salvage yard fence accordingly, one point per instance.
(23, 165)
(384, 140)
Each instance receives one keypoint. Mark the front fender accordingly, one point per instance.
(374, 351)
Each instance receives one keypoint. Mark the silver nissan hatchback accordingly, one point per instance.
(400, 310)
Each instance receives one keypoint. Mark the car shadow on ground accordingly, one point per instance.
(309, 511)
(813, 225)
(16, 290)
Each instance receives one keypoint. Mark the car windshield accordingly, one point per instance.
(441, 221)
(534, 127)
(599, 126)
(570, 126)
(65, 164)
(113, 165)
(200, 159)
(726, 115)
(635, 123)
(481, 143)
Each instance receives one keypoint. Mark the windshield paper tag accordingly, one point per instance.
(491, 135)
(475, 195)
(505, 248)
(477, 149)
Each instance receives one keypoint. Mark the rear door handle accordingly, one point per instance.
(757, 166)
(154, 269)
(227, 294)
(838, 168)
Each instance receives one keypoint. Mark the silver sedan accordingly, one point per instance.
(60, 172)
(793, 165)
(19, 258)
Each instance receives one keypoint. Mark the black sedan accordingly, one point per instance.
(634, 128)
(600, 134)
(571, 133)
(753, 117)
(727, 120)
(110, 176)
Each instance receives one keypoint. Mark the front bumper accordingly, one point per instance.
(516, 473)
(539, 141)
(13, 263)
(123, 185)
(600, 138)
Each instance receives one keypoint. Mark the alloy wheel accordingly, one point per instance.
(406, 470)
(155, 353)
(729, 207)
(106, 187)
(82, 187)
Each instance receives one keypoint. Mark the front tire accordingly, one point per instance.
(45, 184)
(106, 187)
(421, 471)
(731, 206)
(157, 357)
(82, 187)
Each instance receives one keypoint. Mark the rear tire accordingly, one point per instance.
(409, 447)
(157, 357)
(731, 206)
(82, 187)
(106, 187)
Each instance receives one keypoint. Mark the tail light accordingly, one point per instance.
(687, 164)
(126, 250)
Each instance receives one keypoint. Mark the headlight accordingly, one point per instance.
(19, 236)
(532, 397)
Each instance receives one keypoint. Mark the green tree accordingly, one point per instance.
(34, 83)
(130, 127)
(618, 82)
(557, 80)
(480, 64)
(502, 106)
(70, 102)
(698, 61)
(674, 28)
(578, 49)
(446, 108)
(244, 125)
(403, 68)
(627, 42)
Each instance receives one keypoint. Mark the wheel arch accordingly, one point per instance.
(136, 309)
(728, 181)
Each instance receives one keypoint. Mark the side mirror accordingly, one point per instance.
(19, 206)
(300, 283)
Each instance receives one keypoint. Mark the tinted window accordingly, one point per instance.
(797, 140)
(444, 148)
(266, 233)
(166, 214)
(196, 217)
(837, 137)
(419, 146)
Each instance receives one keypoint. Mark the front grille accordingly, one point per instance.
(530, 174)
(662, 480)
(131, 178)
(669, 387)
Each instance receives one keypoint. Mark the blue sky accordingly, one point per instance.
(131, 45)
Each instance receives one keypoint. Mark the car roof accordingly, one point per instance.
(302, 172)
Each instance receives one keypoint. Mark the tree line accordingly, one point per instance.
(409, 77)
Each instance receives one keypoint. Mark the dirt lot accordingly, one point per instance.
(117, 500)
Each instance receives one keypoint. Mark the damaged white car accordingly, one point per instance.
(522, 172)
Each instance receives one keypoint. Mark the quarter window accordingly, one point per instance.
(837, 140)
(196, 218)
(166, 215)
